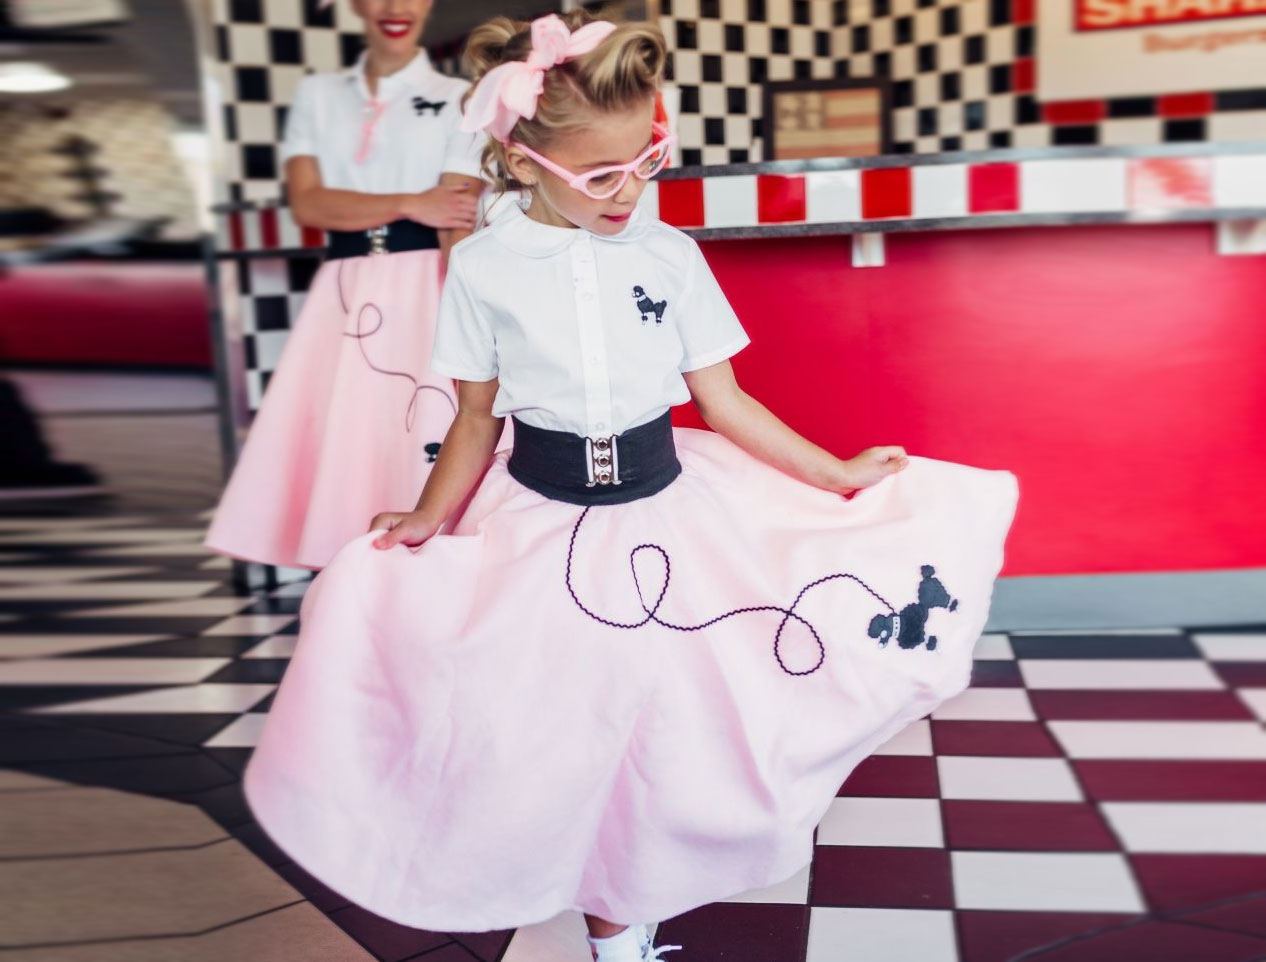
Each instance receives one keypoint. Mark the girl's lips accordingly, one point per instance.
(395, 28)
(618, 218)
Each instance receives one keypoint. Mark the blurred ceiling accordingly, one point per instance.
(155, 49)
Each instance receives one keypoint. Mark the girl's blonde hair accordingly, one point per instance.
(623, 71)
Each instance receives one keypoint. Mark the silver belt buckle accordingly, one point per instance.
(377, 239)
(602, 461)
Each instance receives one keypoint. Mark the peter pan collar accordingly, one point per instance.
(526, 236)
(413, 74)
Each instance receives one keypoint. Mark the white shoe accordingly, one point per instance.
(632, 944)
(646, 935)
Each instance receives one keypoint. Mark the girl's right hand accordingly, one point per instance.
(410, 529)
(448, 206)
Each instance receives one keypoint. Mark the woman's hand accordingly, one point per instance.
(870, 467)
(409, 528)
(448, 206)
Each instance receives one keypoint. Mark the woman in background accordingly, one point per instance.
(353, 417)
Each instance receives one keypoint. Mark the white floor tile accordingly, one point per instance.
(1255, 698)
(793, 891)
(251, 625)
(45, 574)
(1160, 739)
(1044, 881)
(993, 648)
(896, 822)
(880, 935)
(49, 646)
(988, 704)
(195, 699)
(108, 671)
(66, 524)
(242, 733)
(216, 607)
(1055, 632)
(278, 646)
(1232, 647)
(914, 739)
(296, 589)
(82, 536)
(561, 939)
(1209, 827)
(1007, 779)
(107, 590)
(1119, 673)
(182, 549)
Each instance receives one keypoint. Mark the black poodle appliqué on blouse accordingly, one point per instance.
(647, 306)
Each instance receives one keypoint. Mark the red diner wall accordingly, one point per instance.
(1120, 372)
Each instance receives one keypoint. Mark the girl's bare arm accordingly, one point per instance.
(737, 416)
(463, 457)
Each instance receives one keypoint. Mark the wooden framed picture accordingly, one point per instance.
(826, 118)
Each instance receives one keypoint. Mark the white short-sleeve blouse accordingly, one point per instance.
(415, 139)
(586, 333)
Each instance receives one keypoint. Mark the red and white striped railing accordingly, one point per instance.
(866, 198)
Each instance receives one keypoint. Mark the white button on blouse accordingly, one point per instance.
(414, 138)
(586, 333)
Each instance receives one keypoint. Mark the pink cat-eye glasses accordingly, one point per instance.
(606, 182)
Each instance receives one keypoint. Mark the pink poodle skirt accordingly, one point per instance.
(629, 710)
(352, 418)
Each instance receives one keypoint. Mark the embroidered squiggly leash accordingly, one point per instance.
(907, 625)
(360, 334)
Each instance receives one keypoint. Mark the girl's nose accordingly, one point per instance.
(631, 191)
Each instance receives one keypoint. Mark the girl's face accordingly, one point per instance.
(392, 27)
(612, 138)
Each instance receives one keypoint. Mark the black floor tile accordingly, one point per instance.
(253, 671)
(996, 674)
(275, 606)
(226, 804)
(152, 775)
(186, 730)
(319, 894)
(387, 940)
(234, 759)
(123, 625)
(257, 840)
(485, 946)
(29, 740)
(738, 932)
(205, 646)
(19, 697)
(1103, 646)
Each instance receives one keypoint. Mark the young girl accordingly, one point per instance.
(354, 417)
(629, 666)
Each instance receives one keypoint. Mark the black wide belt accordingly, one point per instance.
(399, 235)
(607, 470)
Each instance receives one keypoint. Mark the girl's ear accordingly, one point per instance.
(520, 167)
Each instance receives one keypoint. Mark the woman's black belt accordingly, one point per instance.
(607, 470)
(399, 235)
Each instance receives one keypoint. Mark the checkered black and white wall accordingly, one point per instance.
(962, 74)
(723, 51)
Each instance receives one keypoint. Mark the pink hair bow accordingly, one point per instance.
(509, 92)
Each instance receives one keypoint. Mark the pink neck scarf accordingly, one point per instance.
(374, 109)
(509, 93)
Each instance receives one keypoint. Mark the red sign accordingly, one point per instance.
(1114, 14)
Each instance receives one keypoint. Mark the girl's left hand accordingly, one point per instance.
(871, 467)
